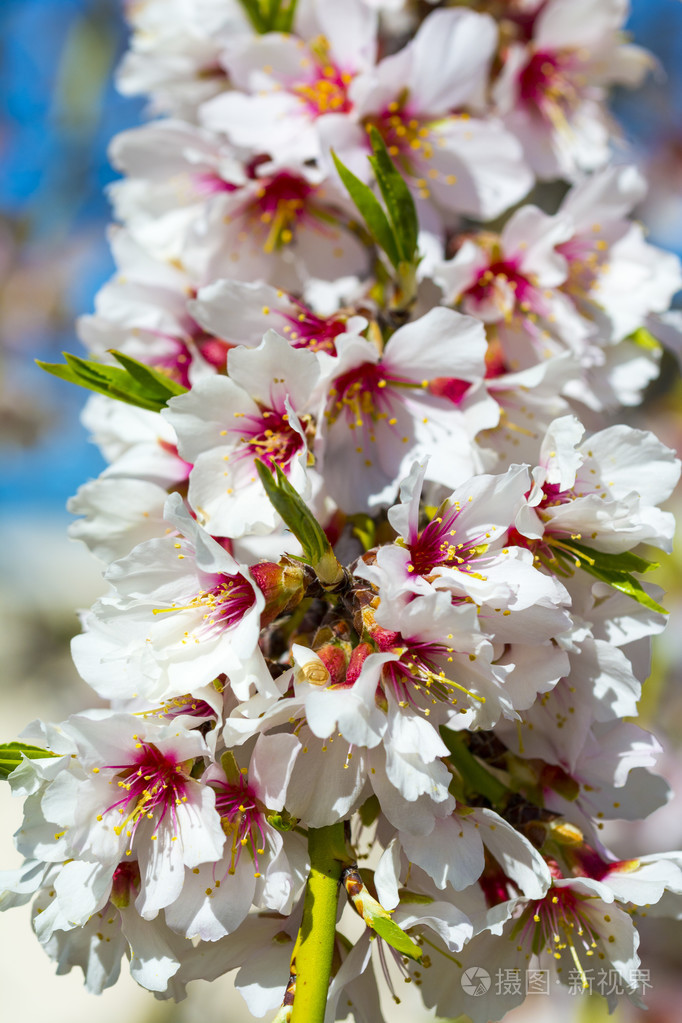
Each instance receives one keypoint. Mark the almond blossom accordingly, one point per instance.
(552, 87)
(376, 595)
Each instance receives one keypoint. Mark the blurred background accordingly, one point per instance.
(58, 111)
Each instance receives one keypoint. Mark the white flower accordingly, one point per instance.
(615, 277)
(552, 90)
(382, 410)
(175, 49)
(512, 281)
(462, 551)
(243, 312)
(425, 101)
(128, 793)
(184, 613)
(254, 868)
(263, 411)
(603, 491)
(453, 853)
(574, 926)
(114, 931)
(290, 82)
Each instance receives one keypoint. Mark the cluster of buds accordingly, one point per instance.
(375, 619)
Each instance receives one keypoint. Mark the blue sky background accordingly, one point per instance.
(58, 112)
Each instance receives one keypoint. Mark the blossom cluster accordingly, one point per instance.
(454, 679)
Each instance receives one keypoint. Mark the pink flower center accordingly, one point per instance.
(151, 787)
(270, 437)
(223, 605)
(214, 351)
(307, 330)
(369, 398)
(437, 545)
(587, 257)
(452, 388)
(420, 675)
(559, 925)
(548, 86)
(241, 819)
(280, 204)
(502, 285)
(554, 496)
(187, 704)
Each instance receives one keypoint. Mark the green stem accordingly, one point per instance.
(474, 775)
(315, 944)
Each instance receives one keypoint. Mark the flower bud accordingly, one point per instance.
(283, 587)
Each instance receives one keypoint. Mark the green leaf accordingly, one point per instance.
(371, 211)
(397, 196)
(629, 585)
(476, 778)
(613, 569)
(364, 528)
(270, 15)
(11, 756)
(292, 508)
(626, 562)
(396, 937)
(153, 381)
(131, 381)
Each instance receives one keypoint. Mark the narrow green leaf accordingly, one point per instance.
(625, 562)
(396, 937)
(131, 382)
(397, 196)
(11, 756)
(152, 380)
(101, 386)
(270, 15)
(625, 583)
(94, 371)
(294, 511)
(284, 17)
(252, 9)
(370, 210)
(613, 569)
(364, 528)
